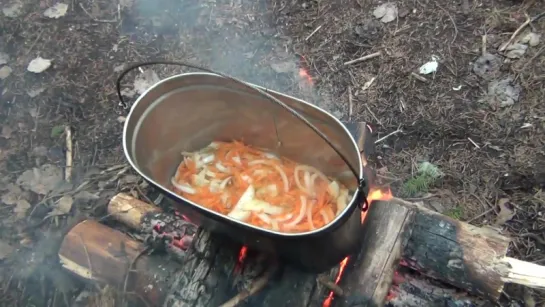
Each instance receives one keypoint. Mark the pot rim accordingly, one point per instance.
(216, 215)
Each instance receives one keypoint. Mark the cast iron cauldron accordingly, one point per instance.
(186, 112)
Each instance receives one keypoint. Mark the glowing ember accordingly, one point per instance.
(242, 255)
(374, 194)
(305, 75)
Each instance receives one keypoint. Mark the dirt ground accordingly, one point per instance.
(479, 119)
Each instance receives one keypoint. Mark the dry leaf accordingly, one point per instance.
(38, 65)
(145, 81)
(5, 250)
(14, 9)
(505, 214)
(64, 205)
(386, 12)
(13, 194)
(4, 58)
(86, 196)
(5, 71)
(41, 180)
(6, 131)
(56, 11)
(21, 208)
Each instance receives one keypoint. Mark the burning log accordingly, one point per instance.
(170, 232)
(97, 253)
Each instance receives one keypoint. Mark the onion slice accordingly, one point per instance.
(182, 187)
(237, 212)
(278, 169)
(301, 214)
(309, 215)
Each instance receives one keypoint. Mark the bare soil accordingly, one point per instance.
(488, 153)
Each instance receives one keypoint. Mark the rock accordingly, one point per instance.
(487, 66)
(515, 51)
(386, 12)
(503, 92)
(5, 71)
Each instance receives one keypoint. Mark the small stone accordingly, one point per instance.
(386, 12)
(56, 11)
(39, 65)
(503, 92)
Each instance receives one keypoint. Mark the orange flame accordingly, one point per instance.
(374, 194)
(242, 255)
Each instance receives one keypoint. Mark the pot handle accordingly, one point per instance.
(361, 181)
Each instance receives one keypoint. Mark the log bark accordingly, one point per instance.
(97, 253)
(370, 273)
(465, 256)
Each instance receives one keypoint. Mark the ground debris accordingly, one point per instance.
(505, 214)
(21, 208)
(4, 58)
(284, 67)
(5, 250)
(14, 193)
(38, 65)
(516, 50)
(41, 180)
(429, 67)
(62, 206)
(503, 92)
(56, 11)
(145, 80)
(386, 12)
(13, 9)
(487, 66)
(5, 71)
(532, 39)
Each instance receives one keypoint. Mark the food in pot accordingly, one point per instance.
(259, 188)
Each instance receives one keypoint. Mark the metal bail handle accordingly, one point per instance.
(260, 91)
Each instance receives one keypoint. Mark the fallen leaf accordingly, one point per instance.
(4, 58)
(14, 9)
(63, 205)
(5, 71)
(6, 131)
(38, 65)
(129, 179)
(13, 194)
(505, 214)
(56, 11)
(531, 39)
(386, 12)
(21, 208)
(41, 180)
(119, 68)
(515, 51)
(56, 131)
(5, 250)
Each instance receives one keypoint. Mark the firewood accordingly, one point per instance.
(99, 254)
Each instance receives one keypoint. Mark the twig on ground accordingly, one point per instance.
(350, 103)
(363, 58)
(114, 178)
(68, 169)
(313, 32)
(419, 77)
(429, 195)
(519, 29)
(534, 236)
(483, 50)
(35, 41)
(330, 285)
(373, 114)
(480, 215)
(453, 23)
(388, 135)
(473, 142)
(256, 287)
(93, 18)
